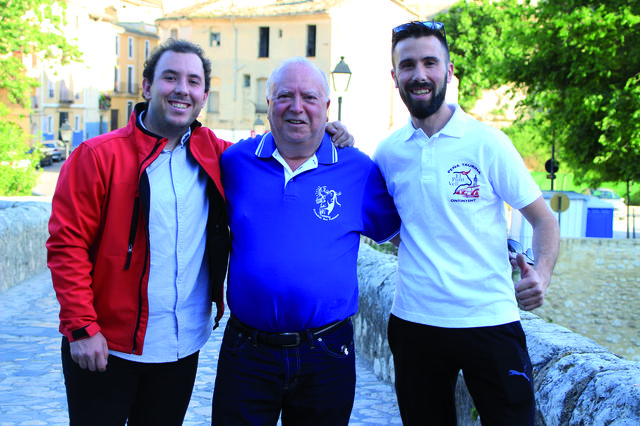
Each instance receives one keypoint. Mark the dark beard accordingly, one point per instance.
(423, 109)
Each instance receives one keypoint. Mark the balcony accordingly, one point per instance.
(66, 97)
(125, 88)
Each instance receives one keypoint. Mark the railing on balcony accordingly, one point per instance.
(122, 87)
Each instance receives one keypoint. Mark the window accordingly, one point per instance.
(116, 79)
(311, 40)
(51, 88)
(147, 49)
(214, 39)
(130, 49)
(65, 93)
(247, 80)
(130, 86)
(261, 101)
(173, 33)
(114, 119)
(129, 110)
(117, 44)
(213, 103)
(263, 51)
(50, 124)
(76, 126)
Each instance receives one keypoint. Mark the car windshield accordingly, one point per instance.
(605, 194)
(49, 145)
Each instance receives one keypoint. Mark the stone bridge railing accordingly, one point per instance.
(577, 381)
(23, 233)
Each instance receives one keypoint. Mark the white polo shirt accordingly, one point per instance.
(450, 191)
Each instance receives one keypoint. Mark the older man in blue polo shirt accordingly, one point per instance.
(297, 207)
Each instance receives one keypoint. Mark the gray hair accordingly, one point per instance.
(300, 61)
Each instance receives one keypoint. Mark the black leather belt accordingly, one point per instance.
(283, 340)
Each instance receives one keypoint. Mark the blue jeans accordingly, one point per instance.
(312, 383)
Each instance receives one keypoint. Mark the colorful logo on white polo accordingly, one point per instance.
(327, 201)
(463, 181)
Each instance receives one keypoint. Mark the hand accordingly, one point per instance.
(531, 288)
(340, 137)
(91, 353)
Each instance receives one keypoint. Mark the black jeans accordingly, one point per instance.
(142, 393)
(494, 360)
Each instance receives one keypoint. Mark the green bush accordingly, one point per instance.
(18, 175)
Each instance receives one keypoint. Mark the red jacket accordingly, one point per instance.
(98, 249)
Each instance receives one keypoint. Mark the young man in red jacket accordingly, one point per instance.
(139, 240)
(138, 251)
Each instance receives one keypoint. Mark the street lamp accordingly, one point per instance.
(341, 76)
(65, 134)
(258, 125)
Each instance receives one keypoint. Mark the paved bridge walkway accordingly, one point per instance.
(31, 382)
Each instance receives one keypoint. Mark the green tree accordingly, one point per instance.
(580, 69)
(17, 172)
(478, 34)
(26, 27)
(577, 62)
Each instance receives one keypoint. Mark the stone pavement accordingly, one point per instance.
(31, 382)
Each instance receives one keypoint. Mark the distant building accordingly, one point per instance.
(134, 43)
(95, 95)
(247, 39)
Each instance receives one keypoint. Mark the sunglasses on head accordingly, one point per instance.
(437, 27)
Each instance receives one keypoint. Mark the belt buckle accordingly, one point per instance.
(293, 345)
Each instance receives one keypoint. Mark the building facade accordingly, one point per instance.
(134, 42)
(246, 40)
(114, 37)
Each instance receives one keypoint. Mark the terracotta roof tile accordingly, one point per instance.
(226, 9)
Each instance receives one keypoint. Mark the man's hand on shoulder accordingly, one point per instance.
(91, 353)
(340, 137)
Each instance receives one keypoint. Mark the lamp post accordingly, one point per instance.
(341, 76)
(65, 134)
(258, 125)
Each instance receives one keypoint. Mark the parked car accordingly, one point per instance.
(610, 196)
(63, 150)
(56, 149)
(45, 157)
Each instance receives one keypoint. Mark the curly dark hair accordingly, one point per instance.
(179, 46)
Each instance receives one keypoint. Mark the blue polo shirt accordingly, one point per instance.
(293, 261)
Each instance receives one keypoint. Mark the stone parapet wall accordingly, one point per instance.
(23, 234)
(577, 381)
(595, 291)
